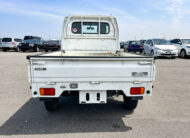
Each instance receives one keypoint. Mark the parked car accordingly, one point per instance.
(133, 46)
(183, 46)
(90, 66)
(33, 43)
(9, 43)
(160, 47)
(122, 44)
(52, 45)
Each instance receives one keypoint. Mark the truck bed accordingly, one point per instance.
(91, 71)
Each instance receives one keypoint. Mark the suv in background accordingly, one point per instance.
(183, 46)
(33, 43)
(9, 43)
(53, 45)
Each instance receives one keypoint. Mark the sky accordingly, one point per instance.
(137, 19)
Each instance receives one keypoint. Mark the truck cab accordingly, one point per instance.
(91, 66)
(90, 33)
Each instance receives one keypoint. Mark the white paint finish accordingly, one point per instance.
(90, 42)
(97, 69)
(95, 63)
(87, 86)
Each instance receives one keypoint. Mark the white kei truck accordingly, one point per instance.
(91, 66)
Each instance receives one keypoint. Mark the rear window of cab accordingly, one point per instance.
(90, 28)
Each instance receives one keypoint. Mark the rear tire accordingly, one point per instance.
(18, 49)
(125, 49)
(143, 52)
(129, 104)
(37, 49)
(152, 53)
(52, 105)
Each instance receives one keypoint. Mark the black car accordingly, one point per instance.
(52, 45)
(33, 43)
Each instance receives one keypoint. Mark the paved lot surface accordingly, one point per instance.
(165, 114)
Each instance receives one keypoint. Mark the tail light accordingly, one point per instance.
(13, 43)
(47, 91)
(129, 45)
(141, 46)
(137, 90)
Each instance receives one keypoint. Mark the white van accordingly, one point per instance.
(159, 48)
(9, 43)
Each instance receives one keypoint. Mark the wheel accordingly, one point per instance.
(129, 104)
(37, 49)
(23, 50)
(46, 50)
(51, 105)
(183, 54)
(18, 49)
(125, 49)
(143, 52)
(152, 53)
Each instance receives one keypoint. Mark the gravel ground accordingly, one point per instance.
(165, 114)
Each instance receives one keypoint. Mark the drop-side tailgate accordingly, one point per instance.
(71, 69)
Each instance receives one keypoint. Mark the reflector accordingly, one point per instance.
(137, 90)
(47, 91)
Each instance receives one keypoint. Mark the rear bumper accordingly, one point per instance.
(26, 47)
(62, 87)
(8, 48)
(135, 49)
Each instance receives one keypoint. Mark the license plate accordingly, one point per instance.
(86, 97)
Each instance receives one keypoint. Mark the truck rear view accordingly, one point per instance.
(91, 66)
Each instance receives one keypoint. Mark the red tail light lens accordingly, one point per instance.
(141, 46)
(13, 43)
(137, 91)
(47, 91)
